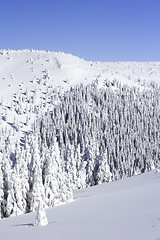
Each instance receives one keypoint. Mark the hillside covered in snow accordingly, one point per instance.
(67, 124)
(125, 209)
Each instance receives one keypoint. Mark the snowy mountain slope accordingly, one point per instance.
(53, 140)
(28, 75)
(24, 69)
(126, 209)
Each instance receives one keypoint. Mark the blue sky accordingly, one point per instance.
(101, 30)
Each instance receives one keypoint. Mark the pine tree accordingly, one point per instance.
(36, 184)
(41, 219)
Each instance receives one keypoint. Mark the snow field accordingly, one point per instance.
(125, 209)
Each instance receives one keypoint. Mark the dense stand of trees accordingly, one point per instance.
(88, 136)
(116, 128)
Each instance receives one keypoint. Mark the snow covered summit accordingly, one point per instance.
(28, 76)
(30, 68)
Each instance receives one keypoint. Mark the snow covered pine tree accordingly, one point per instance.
(41, 219)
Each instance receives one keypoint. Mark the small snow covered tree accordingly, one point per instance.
(35, 181)
(50, 179)
(41, 219)
(103, 173)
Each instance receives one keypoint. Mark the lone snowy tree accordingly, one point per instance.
(41, 219)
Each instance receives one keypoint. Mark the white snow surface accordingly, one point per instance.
(28, 74)
(125, 209)
(24, 68)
